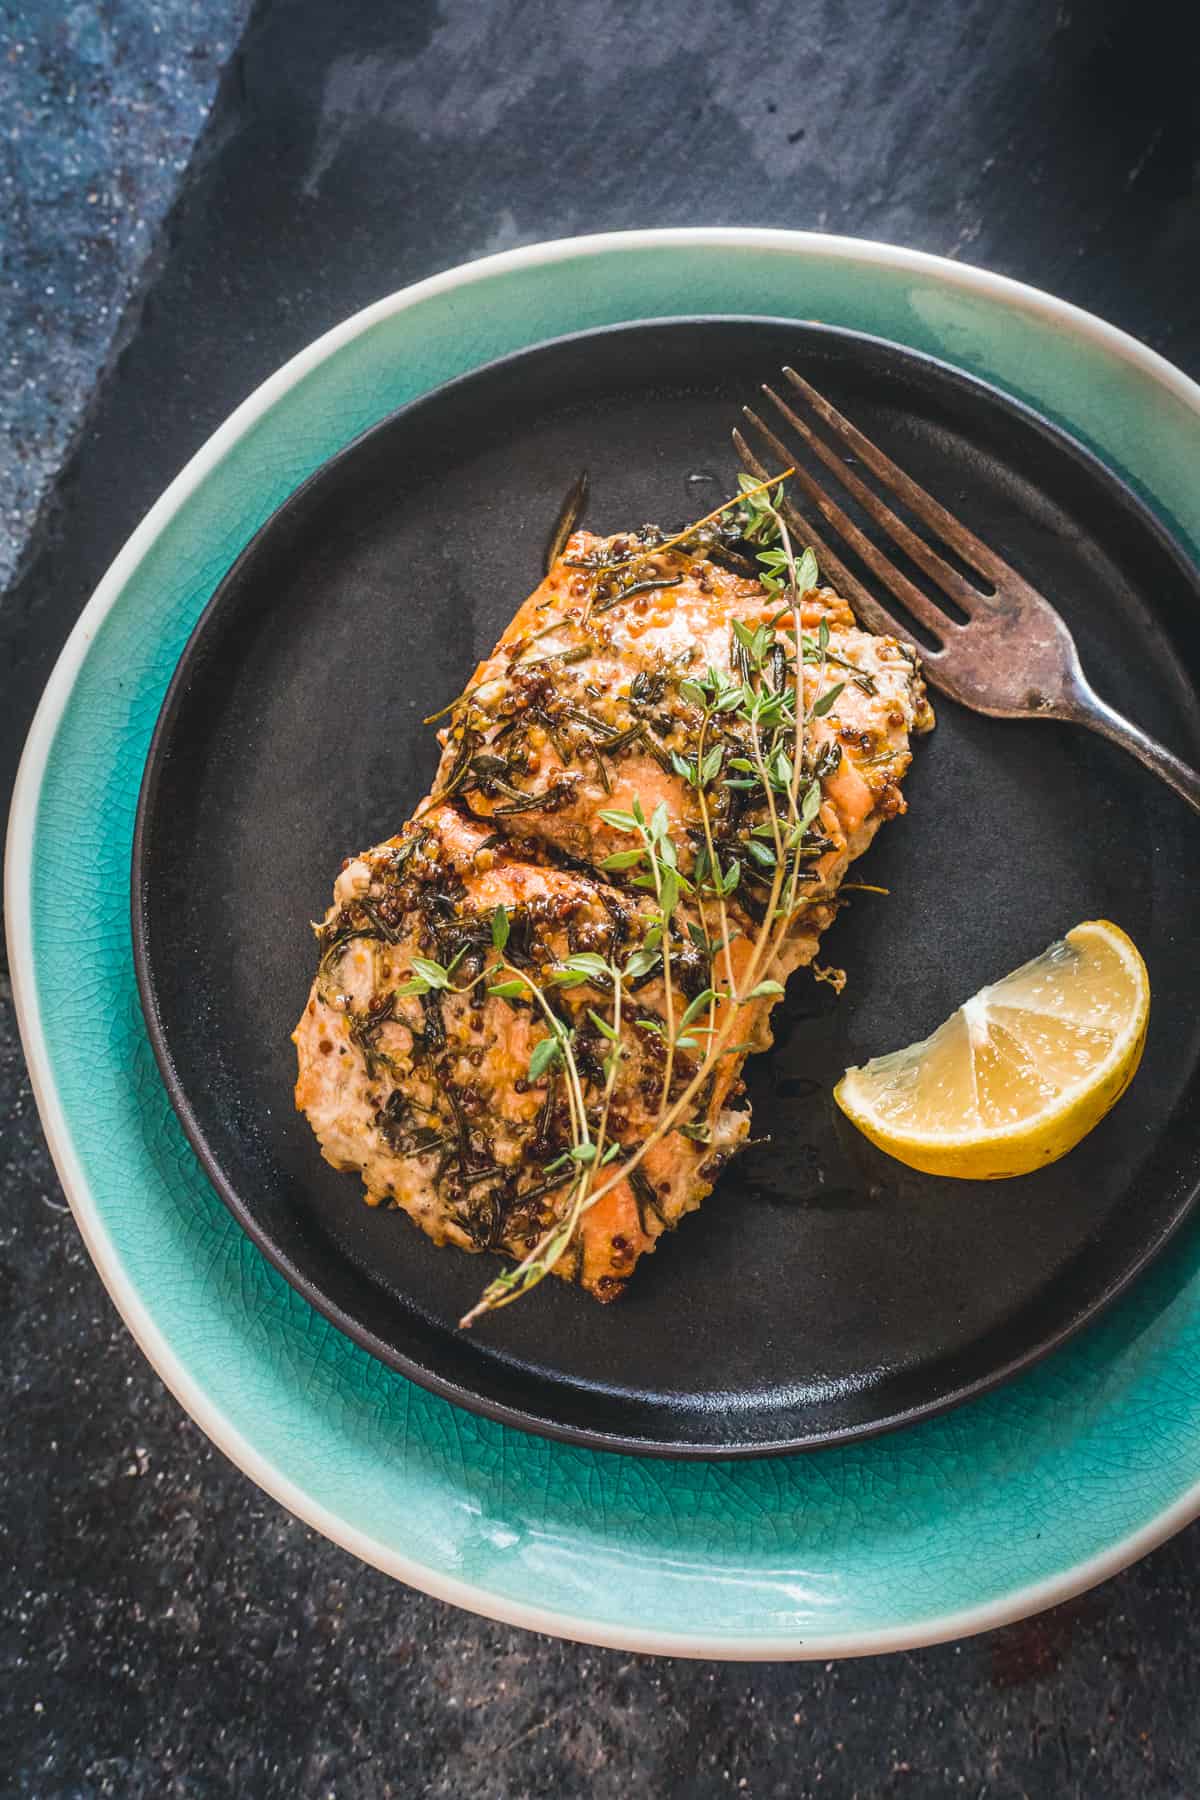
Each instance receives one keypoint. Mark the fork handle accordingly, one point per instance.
(1087, 708)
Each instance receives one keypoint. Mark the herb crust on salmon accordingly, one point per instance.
(533, 1004)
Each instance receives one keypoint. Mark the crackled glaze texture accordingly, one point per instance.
(809, 1555)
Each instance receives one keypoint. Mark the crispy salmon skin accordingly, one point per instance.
(586, 713)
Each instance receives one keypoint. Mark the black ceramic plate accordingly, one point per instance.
(824, 1291)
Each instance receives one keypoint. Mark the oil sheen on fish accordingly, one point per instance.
(577, 712)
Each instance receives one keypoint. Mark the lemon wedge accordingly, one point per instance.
(1020, 1073)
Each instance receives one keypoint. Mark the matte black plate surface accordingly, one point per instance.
(824, 1291)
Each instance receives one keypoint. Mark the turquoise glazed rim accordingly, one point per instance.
(1005, 1506)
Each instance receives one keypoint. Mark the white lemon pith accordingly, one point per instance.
(1020, 1073)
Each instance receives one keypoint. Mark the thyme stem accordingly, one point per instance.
(763, 706)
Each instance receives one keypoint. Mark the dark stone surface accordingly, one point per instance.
(101, 108)
(168, 1631)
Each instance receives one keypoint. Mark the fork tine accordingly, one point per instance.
(936, 567)
(908, 595)
(968, 546)
(865, 606)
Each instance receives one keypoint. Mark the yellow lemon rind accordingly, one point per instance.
(981, 1154)
(1003, 1152)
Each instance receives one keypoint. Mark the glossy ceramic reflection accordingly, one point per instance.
(1005, 1505)
(824, 1292)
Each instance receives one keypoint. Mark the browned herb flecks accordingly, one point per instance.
(532, 1006)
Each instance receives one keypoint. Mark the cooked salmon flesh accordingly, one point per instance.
(586, 715)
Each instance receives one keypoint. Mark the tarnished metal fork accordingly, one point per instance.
(1013, 658)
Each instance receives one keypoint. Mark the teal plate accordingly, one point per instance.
(1008, 1505)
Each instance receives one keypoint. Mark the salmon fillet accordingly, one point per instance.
(579, 712)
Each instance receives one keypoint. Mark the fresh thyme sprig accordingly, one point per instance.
(661, 859)
(588, 1154)
(761, 709)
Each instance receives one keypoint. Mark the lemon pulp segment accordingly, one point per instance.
(1021, 1072)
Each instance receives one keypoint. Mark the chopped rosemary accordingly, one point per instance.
(741, 737)
(639, 587)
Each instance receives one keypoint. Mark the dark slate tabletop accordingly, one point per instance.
(188, 197)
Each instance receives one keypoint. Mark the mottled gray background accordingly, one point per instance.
(189, 195)
(100, 110)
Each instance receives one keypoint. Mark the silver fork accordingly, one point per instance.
(1014, 658)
